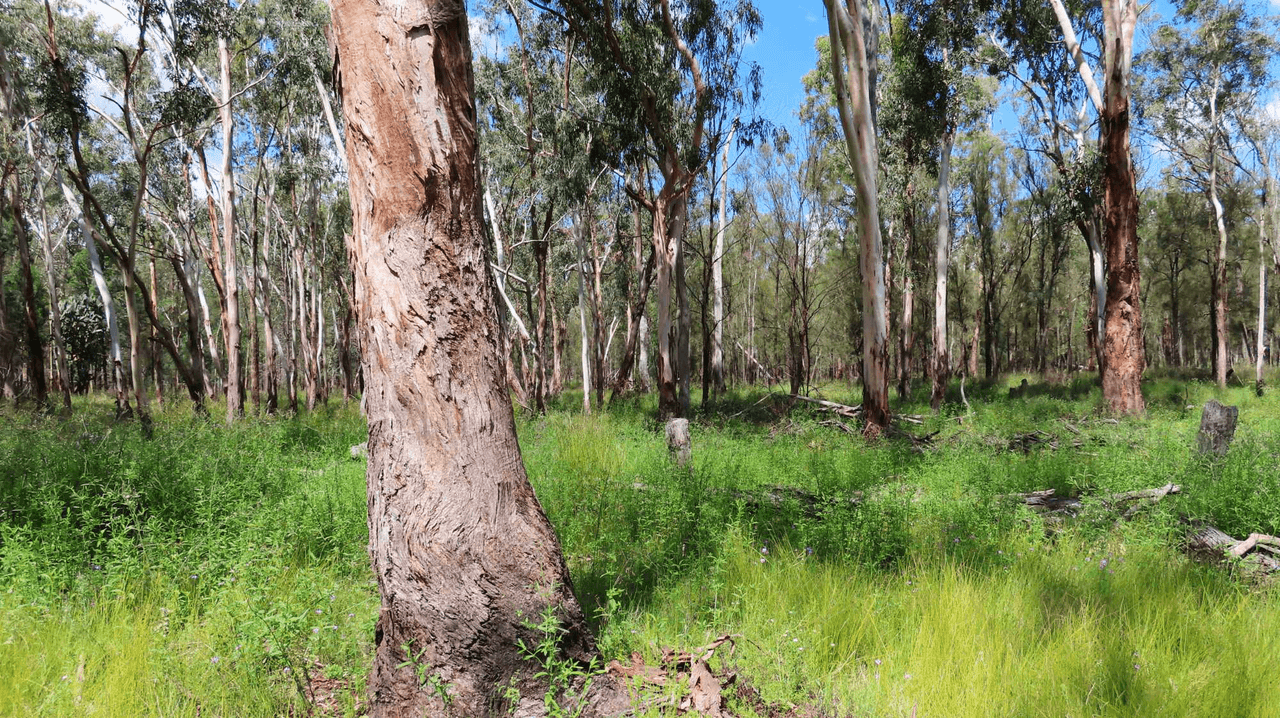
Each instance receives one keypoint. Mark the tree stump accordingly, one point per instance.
(1217, 427)
(678, 442)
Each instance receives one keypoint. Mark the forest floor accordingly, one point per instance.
(221, 571)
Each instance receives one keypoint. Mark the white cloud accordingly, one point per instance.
(814, 18)
(484, 37)
(1271, 110)
(112, 18)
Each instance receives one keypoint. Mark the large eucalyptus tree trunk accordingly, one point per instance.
(854, 76)
(464, 556)
(1123, 348)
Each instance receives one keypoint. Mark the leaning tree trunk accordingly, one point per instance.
(464, 556)
(855, 88)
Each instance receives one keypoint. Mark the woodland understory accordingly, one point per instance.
(351, 334)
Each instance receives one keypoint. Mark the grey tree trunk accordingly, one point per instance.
(717, 288)
(854, 79)
(941, 369)
(235, 386)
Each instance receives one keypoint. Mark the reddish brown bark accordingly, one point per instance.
(1125, 361)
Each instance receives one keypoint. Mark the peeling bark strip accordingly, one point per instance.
(464, 555)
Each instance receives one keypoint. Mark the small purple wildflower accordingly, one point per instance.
(315, 630)
(877, 661)
(215, 659)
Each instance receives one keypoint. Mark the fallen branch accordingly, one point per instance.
(1034, 439)
(837, 424)
(918, 443)
(849, 412)
(1254, 540)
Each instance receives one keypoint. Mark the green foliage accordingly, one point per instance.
(567, 681)
(220, 570)
(84, 335)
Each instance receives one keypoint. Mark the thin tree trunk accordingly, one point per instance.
(156, 363)
(941, 368)
(636, 342)
(906, 336)
(62, 374)
(1218, 267)
(31, 316)
(582, 318)
(1260, 351)
(235, 386)
(717, 286)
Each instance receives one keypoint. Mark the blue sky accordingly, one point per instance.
(785, 52)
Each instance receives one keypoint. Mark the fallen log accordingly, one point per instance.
(1047, 501)
(1208, 542)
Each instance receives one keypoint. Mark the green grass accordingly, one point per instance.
(214, 570)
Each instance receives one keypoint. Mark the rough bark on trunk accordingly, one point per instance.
(1123, 347)
(463, 554)
(1219, 280)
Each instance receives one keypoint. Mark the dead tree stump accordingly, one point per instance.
(1217, 427)
(678, 442)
